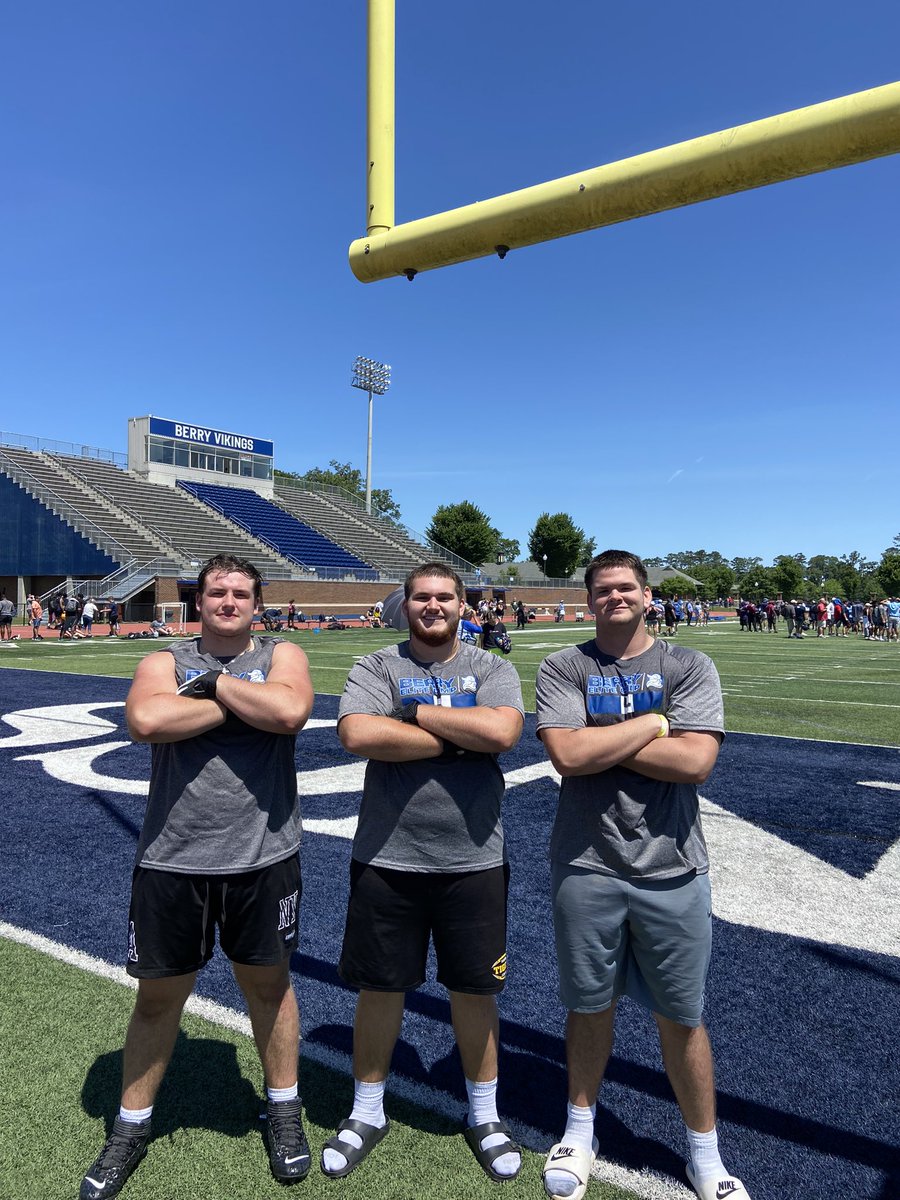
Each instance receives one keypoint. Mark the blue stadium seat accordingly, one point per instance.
(291, 537)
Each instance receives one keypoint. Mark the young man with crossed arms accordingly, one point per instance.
(219, 847)
(632, 725)
(430, 714)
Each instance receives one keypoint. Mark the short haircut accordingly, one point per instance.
(224, 564)
(437, 569)
(614, 558)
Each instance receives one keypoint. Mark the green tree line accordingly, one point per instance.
(560, 548)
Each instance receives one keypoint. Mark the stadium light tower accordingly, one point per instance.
(375, 378)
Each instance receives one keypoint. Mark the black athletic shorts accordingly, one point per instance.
(173, 917)
(392, 915)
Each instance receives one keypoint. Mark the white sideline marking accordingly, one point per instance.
(891, 787)
(642, 1183)
(340, 827)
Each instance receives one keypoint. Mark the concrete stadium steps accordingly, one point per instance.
(385, 545)
(83, 508)
(358, 534)
(195, 531)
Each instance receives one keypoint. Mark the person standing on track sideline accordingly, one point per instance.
(430, 714)
(113, 619)
(632, 725)
(36, 616)
(7, 612)
(221, 713)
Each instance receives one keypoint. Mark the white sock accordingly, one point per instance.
(483, 1108)
(135, 1115)
(579, 1133)
(704, 1149)
(277, 1095)
(368, 1107)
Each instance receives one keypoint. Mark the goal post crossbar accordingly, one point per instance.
(836, 133)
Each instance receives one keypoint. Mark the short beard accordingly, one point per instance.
(435, 637)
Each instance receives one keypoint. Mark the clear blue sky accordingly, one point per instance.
(181, 182)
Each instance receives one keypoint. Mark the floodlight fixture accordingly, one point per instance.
(373, 377)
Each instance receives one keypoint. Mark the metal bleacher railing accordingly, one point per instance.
(467, 570)
(25, 442)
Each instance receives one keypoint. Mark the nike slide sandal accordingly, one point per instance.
(724, 1188)
(574, 1161)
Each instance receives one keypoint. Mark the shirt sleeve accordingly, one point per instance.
(559, 696)
(500, 686)
(367, 691)
(695, 703)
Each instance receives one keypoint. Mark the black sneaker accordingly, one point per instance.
(286, 1142)
(124, 1149)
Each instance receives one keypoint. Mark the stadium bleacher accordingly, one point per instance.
(297, 533)
(194, 531)
(88, 512)
(346, 522)
(293, 538)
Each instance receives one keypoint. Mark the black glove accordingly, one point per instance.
(409, 712)
(202, 687)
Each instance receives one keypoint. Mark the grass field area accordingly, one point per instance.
(828, 689)
(207, 1143)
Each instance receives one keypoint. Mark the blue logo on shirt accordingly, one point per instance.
(457, 692)
(624, 695)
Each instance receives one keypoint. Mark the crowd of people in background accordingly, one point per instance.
(670, 612)
(73, 616)
(485, 627)
(873, 620)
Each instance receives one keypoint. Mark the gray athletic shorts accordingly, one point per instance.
(646, 939)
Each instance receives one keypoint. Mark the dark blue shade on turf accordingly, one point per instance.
(807, 793)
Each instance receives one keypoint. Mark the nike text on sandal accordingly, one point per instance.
(722, 1187)
(369, 1135)
(286, 1142)
(121, 1153)
(576, 1161)
(475, 1135)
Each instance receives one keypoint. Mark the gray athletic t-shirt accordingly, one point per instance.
(619, 822)
(435, 814)
(226, 800)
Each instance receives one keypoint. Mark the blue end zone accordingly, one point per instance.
(804, 1031)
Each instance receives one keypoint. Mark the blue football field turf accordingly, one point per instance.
(804, 1027)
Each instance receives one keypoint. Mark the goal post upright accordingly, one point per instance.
(804, 141)
(380, 93)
